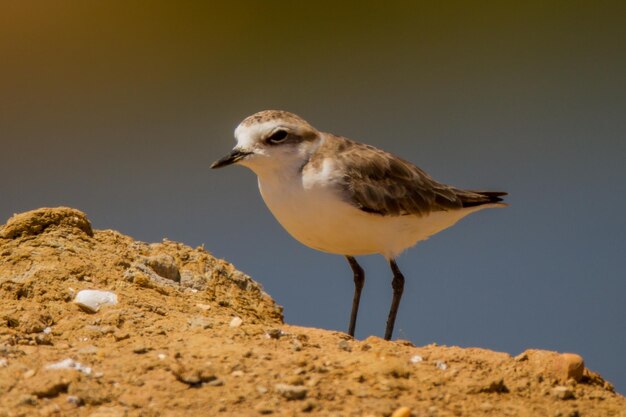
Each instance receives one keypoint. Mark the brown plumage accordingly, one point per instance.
(378, 182)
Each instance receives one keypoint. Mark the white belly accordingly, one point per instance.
(318, 218)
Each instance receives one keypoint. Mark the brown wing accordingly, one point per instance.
(378, 182)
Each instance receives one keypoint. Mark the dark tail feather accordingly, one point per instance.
(478, 198)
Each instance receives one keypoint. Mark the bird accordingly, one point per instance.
(348, 198)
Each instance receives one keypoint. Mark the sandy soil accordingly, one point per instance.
(191, 335)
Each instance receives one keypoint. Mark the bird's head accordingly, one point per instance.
(272, 140)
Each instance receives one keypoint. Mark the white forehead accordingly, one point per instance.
(247, 135)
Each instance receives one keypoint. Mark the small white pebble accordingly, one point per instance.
(416, 359)
(92, 300)
(4, 362)
(161, 356)
(236, 322)
(441, 365)
(47, 330)
(69, 363)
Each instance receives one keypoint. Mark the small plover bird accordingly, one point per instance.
(344, 197)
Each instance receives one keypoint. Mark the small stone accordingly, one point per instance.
(562, 393)
(291, 392)
(120, 335)
(205, 307)
(296, 345)
(557, 366)
(70, 364)
(416, 359)
(237, 373)
(92, 300)
(30, 322)
(141, 349)
(274, 333)
(165, 266)
(236, 322)
(195, 377)
(215, 383)
(4, 363)
(344, 345)
(567, 366)
(75, 400)
(43, 339)
(200, 323)
(402, 412)
(261, 389)
(441, 365)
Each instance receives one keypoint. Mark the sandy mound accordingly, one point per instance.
(191, 335)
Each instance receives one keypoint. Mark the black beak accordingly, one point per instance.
(235, 156)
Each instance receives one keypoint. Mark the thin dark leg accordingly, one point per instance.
(359, 280)
(398, 287)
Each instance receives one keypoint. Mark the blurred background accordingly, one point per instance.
(118, 108)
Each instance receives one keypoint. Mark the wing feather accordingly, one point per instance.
(378, 182)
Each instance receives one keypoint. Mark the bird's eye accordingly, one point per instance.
(278, 136)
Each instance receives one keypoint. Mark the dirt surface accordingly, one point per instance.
(192, 336)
